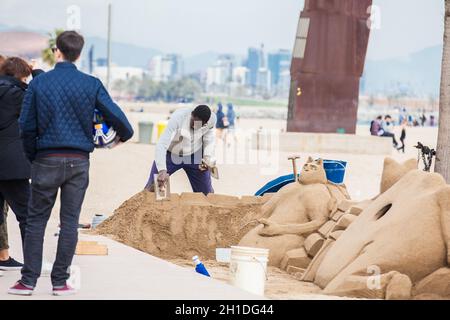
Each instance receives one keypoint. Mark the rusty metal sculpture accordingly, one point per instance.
(328, 62)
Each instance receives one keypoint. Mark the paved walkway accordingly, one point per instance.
(125, 273)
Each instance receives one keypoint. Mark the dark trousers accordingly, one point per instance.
(16, 193)
(391, 135)
(200, 180)
(48, 175)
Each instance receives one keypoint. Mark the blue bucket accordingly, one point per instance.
(335, 170)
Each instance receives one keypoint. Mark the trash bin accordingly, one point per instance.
(145, 132)
(161, 126)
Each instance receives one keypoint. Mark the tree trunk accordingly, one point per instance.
(443, 145)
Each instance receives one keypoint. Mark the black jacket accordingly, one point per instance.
(13, 163)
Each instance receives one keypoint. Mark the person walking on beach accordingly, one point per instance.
(57, 129)
(231, 129)
(403, 135)
(14, 166)
(187, 143)
(222, 121)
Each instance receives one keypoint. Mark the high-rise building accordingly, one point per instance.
(166, 68)
(264, 80)
(240, 75)
(254, 62)
(278, 62)
(221, 73)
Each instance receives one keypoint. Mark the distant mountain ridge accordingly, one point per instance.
(420, 73)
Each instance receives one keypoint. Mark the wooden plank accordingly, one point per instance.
(92, 249)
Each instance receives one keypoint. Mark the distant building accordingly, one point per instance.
(264, 80)
(118, 73)
(278, 62)
(166, 68)
(254, 63)
(240, 75)
(102, 62)
(220, 74)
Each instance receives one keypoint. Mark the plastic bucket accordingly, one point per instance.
(248, 269)
(97, 219)
(223, 255)
(335, 170)
(145, 132)
(161, 126)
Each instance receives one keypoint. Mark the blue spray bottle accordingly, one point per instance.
(200, 267)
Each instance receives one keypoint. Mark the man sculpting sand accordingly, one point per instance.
(187, 142)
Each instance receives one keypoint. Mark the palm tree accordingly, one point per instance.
(443, 145)
(47, 54)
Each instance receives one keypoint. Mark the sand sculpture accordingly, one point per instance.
(398, 246)
(390, 247)
(394, 171)
(294, 213)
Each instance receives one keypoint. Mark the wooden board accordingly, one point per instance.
(92, 248)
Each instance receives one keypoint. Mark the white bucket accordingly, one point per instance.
(223, 255)
(248, 269)
(97, 219)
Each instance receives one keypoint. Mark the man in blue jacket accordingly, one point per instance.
(56, 125)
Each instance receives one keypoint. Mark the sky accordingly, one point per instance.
(227, 26)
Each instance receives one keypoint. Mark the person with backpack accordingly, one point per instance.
(375, 126)
(222, 121)
(56, 126)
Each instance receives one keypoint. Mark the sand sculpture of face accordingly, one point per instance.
(402, 237)
(313, 172)
(293, 213)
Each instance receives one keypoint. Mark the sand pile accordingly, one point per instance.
(187, 225)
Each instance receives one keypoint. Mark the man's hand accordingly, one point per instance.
(270, 228)
(163, 177)
(203, 167)
(207, 162)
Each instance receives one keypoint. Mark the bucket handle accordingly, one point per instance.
(336, 162)
(262, 266)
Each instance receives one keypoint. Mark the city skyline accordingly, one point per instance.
(210, 26)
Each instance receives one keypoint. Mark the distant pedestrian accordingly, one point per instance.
(403, 135)
(231, 117)
(375, 126)
(222, 121)
(387, 130)
(432, 121)
(423, 120)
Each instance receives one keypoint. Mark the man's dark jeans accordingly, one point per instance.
(48, 175)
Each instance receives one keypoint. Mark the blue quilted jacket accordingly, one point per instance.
(58, 111)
